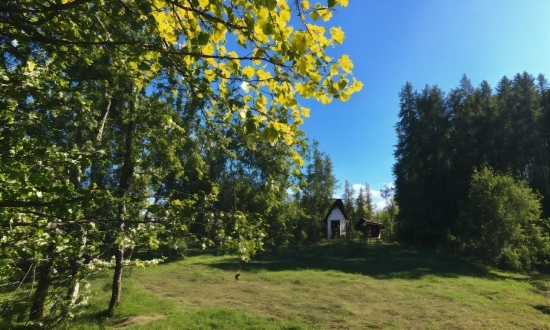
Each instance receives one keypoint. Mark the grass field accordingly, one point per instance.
(330, 285)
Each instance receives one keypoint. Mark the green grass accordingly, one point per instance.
(339, 284)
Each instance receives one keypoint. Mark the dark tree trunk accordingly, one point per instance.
(117, 280)
(40, 294)
(127, 172)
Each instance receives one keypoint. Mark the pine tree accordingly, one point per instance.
(405, 167)
(391, 208)
(317, 191)
(361, 210)
(349, 205)
(369, 206)
(348, 200)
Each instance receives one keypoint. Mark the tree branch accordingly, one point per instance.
(40, 8)
(12, 203)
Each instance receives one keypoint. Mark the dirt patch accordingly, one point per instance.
(133, 320)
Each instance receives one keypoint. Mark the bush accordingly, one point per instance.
(501, 223)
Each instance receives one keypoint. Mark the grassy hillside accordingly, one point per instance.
(331, 285)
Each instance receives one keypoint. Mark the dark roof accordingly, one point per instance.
(337, 204)
(364, 223)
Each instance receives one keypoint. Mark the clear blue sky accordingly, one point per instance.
(424, 42)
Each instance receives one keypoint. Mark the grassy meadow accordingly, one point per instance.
(330, 285)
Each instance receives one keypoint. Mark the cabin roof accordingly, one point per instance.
(364, 223)
(337, 204)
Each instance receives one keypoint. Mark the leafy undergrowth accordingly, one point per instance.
(339, 284)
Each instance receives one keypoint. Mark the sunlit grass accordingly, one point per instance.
(346, 285)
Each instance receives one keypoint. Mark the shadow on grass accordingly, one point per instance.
(374, 259)
(545, 309)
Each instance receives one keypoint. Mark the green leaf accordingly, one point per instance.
(271, 4)
(270, 134)
(342, 84)
(249, 21)
(314, 15)
(154, 208)
(144, 66)
(267, 28)
(203, 38)
(251, 126)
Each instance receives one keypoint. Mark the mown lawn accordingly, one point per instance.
(331, 285)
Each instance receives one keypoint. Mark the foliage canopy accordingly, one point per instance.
(116, 116)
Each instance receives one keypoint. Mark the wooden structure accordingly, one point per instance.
(369, 228)
(336, 220)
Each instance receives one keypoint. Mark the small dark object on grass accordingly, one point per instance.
(237, 276)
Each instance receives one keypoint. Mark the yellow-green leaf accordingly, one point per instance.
(357, 85)
(345, 63)
(325, 14)
(208, 50)
(314, 15)
(31, 65)
(249, 72)
(337, 34)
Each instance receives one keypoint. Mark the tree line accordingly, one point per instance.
(472, 169)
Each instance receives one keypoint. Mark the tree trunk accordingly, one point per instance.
(117, 280)
(127, 171)
(74, 290)
(41, 293)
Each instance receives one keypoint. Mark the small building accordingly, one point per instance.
(336, 220)
(369, 228)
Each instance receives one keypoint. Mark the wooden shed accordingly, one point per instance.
(336, 220)
(369, 228)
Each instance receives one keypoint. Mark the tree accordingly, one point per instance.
(317, 189)
(363, 203)
(391, 206)
(421, 165)
(349, 206)
(407, 160)
(126, 90)
(369, 205)
(347, 197)
(502, 225)
(544, 123)
(360, 207)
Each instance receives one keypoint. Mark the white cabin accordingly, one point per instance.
(336, 220)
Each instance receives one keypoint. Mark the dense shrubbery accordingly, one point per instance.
(501, 223)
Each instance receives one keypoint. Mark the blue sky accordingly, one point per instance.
(424, 42)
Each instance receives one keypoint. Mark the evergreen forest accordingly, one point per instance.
(472, 171)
